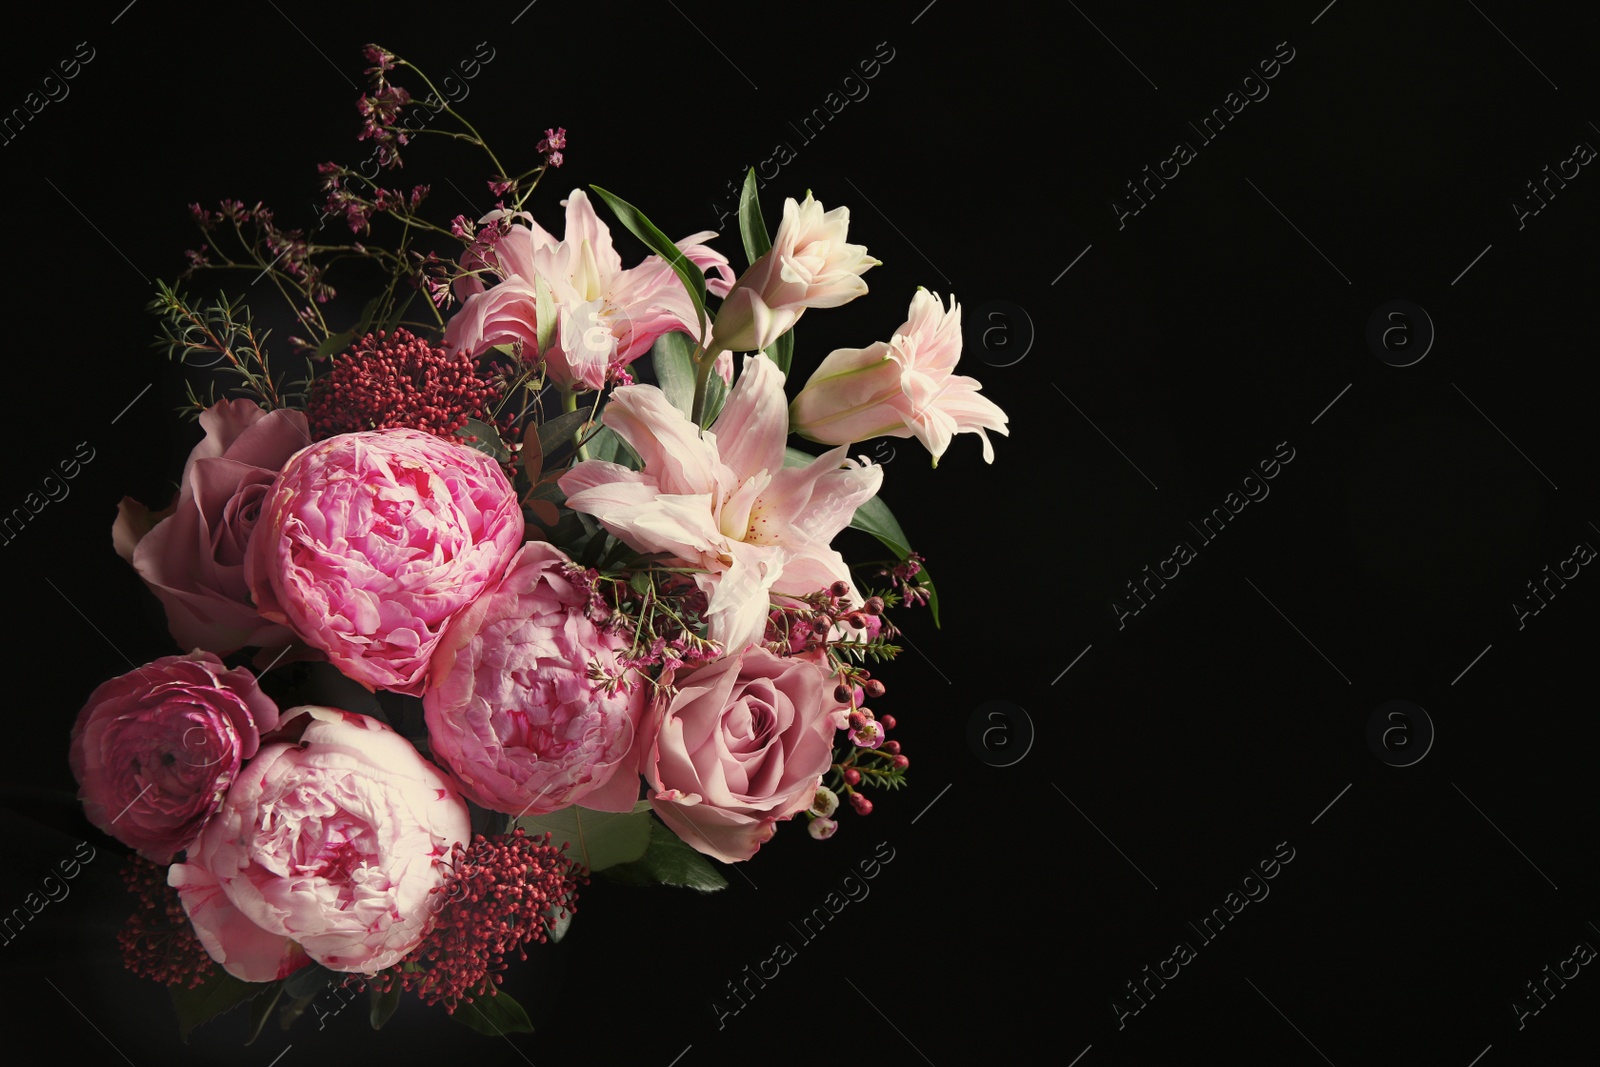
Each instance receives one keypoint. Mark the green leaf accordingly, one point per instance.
(875, 518)
(310, 980)
(496, 1016)
(545, 314)
(261, 1010)
(562, 924)
(383, 1005)
(557, 433)
(672, 356)
(211, 998)
(753, 231)
(669, 861)
(752, 227)
(399, 313)
(488, 439)
(605, 444)
(646, 231)
(598, 839)
(336, 343)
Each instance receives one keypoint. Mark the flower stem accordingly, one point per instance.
(569, 402)
(703, 361)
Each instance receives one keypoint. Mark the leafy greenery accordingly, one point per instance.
(597, 839)
(211, 998)
(669, 861)
(496, 1015)
(661, 245)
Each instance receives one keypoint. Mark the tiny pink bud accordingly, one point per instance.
(852, 777)
(887, 722)
(822, 828)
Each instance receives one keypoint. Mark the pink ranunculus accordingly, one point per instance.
(332, 844)
(723, 502)
(810, 265)
(742, 745)
(905, 387)
(606, 316)
(155, 749)
(369, 544)
(193, 557)
(511, 709)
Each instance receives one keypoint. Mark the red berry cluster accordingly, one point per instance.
(504, 892)
(158, 941)
(399, 380)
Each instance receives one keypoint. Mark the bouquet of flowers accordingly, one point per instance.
(470, 615)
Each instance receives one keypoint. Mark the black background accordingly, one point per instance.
(1217, 323)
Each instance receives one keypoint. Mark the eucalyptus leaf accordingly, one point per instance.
(496, 1015)
(658, 242)
(597, 839)
(211, 998)
(557, 433)
(488, 439)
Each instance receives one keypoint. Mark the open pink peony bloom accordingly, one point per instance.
(606, 316)
(724, 502)
(511, 709)
(192, 557)
(809, 265)
(155, 749)
(332, 845)
(741, 745)
(370, 543)
(903, 387)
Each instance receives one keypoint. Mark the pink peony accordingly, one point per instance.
(511, 708)
(192, 556)
(371, 543)
(327, 848)
(155, 749)
(606, 316)
(903, 387)
(723, 501)
(743, 744)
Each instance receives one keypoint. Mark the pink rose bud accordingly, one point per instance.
(903, 387)
(370, 544)
(155, 749)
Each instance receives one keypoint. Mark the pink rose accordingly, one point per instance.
(192, 556)
(511, 708)
(155, 749)
(332, 845)
(743, 744)
(371, 543)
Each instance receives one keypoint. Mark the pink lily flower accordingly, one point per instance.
(607, 317)
(724, 502)
(903, 387)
